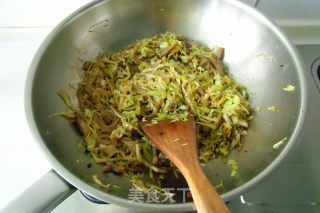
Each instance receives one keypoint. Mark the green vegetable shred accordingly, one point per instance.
(163, 77)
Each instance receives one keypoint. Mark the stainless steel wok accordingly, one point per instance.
(257, 53)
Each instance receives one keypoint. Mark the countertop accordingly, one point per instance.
(23, 26)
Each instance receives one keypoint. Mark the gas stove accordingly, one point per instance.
(293, 187)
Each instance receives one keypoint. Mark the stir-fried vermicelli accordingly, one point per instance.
(163, 77)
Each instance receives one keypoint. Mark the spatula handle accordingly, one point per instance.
(205, 197)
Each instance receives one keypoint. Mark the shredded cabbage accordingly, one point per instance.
(289, 88)
(272, 108)
(280, 143)
(163, 77)
(234, 166)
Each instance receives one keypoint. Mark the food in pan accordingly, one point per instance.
(163, 77)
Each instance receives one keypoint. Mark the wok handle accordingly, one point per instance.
(42, 196)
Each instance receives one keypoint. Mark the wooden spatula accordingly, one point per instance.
(177, 140)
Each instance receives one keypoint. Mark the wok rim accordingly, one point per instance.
(105, 196)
